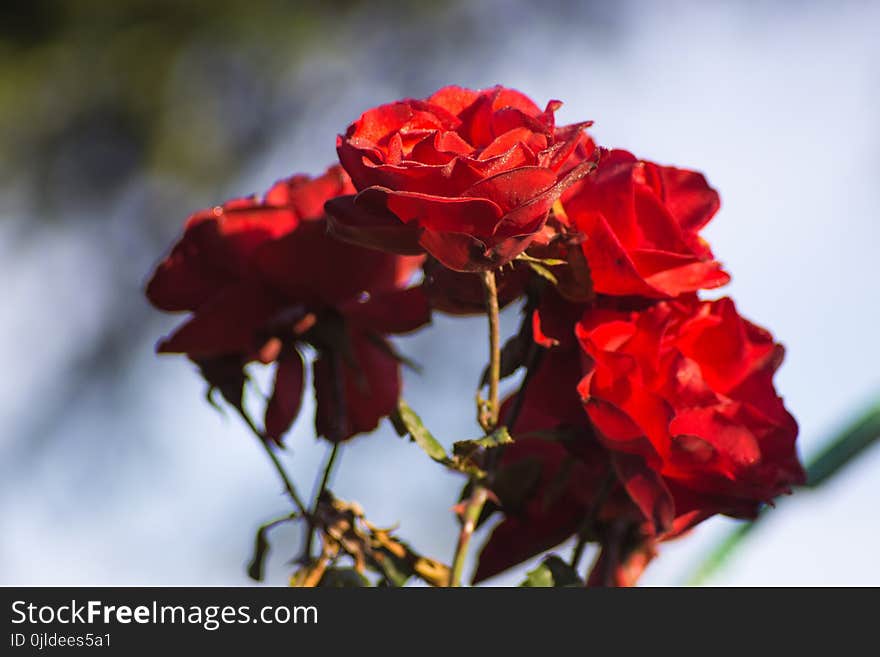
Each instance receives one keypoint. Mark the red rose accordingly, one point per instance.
(261, 278)
(641, 223)
(682, 394)
(695, 375)
(469, 176)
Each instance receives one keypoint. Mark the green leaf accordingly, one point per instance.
(501, 436)
(407, 422)
(553, 572)
(855, 438)
(720, 554)
(468, 454)
(543, 272)
(261, 549)
(851, 442)
(340, 578)
(548, 262)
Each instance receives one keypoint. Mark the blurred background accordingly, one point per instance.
(118, 119)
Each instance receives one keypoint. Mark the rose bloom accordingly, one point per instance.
(682, 394)
(641, 223)
(261, 279)
(469, 176)
(573, 470)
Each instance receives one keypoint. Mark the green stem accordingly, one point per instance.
(489, 422)
(494, 347)
(328, 469)
(468, 523)
(322, 488)
(289, 488)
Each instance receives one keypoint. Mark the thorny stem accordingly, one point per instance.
(337, 429)
(328, 469)
(289, 488)
(494, 349)
(322, 487)
(468, 524)
(489, 420)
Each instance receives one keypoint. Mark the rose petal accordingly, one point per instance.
(364, 220)
(227, 324)
(284, 404)
(306, 196)
(473, 216)
(516, 539)
(512, 189)
(353, 397)
(687, 195)
(647, 489)
(310, 267)
(215, 250)
(398, 311)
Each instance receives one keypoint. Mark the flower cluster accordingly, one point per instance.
(644, 409)
(263, 280)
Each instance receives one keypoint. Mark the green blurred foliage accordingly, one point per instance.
(93, 91)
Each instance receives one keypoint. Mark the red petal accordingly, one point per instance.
(454, 99)
(355, 398)
(529, 217)
(195, 270)
(612, 570)
(568, 138)
(309, 266)
(647, 489)
(511, 189)
(473, 216)
(464, 253)
(676, 274)
(616, 428)
(505, 97)
(510, 139)
(687, 195)
(228, 324)
(214, 251)
(398, 311)
(516, 539)
(283, 406)
(306, 196)
(611, 267)
(365, 221)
